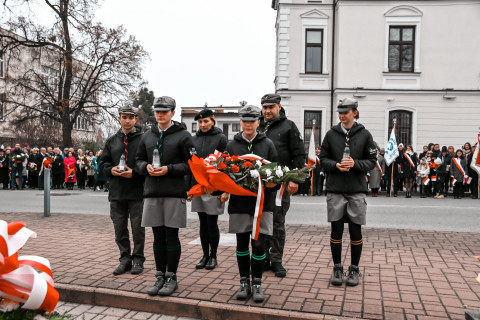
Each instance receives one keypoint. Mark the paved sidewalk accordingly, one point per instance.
(406, 274)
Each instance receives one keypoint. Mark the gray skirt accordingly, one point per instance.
(209, 204)
(169, 212)
(354, 206)
(243, 222)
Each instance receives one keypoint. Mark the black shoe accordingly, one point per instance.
(337, 276)
(279, 269)
(245, 291)
(258, 295)
(153, 291)
(211, 264)
(122, 268)
(137, 268)
(170, 284)
(202, 263)
(353, 275)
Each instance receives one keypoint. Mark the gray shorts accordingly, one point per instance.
(354, 206)
(169, 212)
(211, 205)
(243, 222)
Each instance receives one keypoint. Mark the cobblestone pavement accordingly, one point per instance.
(89, 312)
(406, 274)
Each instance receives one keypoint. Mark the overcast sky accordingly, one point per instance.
(214, 51)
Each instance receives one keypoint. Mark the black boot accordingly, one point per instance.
(278, 269)
(245, 290)
(202, 263)
(211, 264)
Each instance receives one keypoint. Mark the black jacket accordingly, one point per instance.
(57, 165)
(407, 170)
(363, 152)
(287, 139)
(177, 148)
(207, 142)
(128, 189)
(262, 147)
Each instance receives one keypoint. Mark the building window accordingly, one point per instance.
(235, 127)
(313, 50)
(401, 49)
(309, 116)
(50, 78)
(84, 122)
(194, 127)
(1, 64)
(46, 120)
(403, 130)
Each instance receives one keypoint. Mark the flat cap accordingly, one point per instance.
(127, 110)
(164, 104)
(347, 104)
(249, 113)
(205, 113)
(270, 99)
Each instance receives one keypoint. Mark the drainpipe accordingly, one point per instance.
(332, 69)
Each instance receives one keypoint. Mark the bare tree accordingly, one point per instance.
(77, 66)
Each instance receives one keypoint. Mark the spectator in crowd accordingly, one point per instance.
(442, 174)
(473, 174)
(401, 150)
(81, 169)
(16, 168)
(36, 158)
(451, 151)
(467, 149)
(69, 164)
(57, 169)
(383, 183)
(3, 168)
(447, 158)
(100, 179)
(457, 173)
(43, 154)
(424, 152)
(90, 171)
(24, 169)
(436, 150)
(65, 153)
(376, 174)
(423, 170)
(409, 166)
(318, 174)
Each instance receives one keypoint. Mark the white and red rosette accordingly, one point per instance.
(26, 279)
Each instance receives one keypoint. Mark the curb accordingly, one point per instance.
(179, 307)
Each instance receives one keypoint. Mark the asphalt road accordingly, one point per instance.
(418, 214)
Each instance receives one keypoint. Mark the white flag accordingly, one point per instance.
(391, 153)
(312, 156)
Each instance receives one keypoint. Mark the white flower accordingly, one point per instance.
(286, 169)
(279, 172)
(268, 172)
(254, 173)
(258, 163)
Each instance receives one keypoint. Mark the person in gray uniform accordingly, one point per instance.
(162, 157)
(207, 139)
(242, 208)
(348, 153)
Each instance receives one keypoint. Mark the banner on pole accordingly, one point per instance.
(391, 152)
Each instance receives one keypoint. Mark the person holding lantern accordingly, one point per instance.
(241, 208)
(126, 191)
(162, 157)
(206, 140)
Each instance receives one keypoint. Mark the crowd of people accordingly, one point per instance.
(22, 168)
(436, 172)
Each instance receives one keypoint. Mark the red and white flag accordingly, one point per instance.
(454, 181)
(312, 157)
(426, 180)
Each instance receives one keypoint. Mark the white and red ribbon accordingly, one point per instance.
(454, 181)
(20, 281)
(409, 160)
(466, 178)
(279, 196)
(257, 216)
(379, 168)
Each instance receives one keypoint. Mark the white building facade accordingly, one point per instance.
(415, 61)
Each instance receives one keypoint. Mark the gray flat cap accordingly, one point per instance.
(271, 99)
(347, 104)
(164, 104)
(249, 113)
(127, 110)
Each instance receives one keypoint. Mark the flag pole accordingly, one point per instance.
(313, 134)
(393, 162)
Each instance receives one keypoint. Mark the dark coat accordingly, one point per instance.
(287, 139)
(363, 152)
(177, 148)
(123, 188)
(207, 142)
(455, 172)
(407, 170)
(262, 147)
(57, 165)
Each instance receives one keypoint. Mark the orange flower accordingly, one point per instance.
(225, 155)
(235, 168)
(228, 159)
(247, 164)
(235, 158)
(222, 165)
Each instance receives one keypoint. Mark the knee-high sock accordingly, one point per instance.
(204, 235)
(336, 241)
(174, 249)
(243, 254)
(356, 242)
(258, 256)
(213, 234)
(160, 248)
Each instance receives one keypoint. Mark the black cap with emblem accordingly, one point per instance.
(271, 99)
(205, 113)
